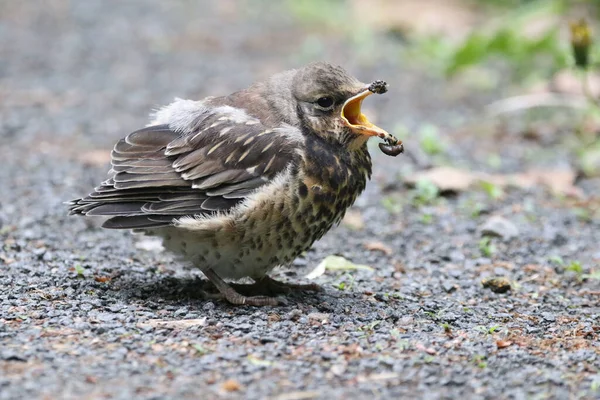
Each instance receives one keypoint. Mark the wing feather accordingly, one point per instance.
(163, 172)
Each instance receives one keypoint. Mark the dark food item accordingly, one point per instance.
(497, 284)
(392, 147)
(379, 87)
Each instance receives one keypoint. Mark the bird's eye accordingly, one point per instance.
(325, 102)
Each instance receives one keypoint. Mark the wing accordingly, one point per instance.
(203, 161)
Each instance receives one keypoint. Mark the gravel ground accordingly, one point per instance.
(90, 313)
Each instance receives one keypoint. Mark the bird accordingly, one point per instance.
(240, 184)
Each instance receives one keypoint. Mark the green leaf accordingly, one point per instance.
(589, 159)
(575, 266)
(492, 190)
(547, 42)
(487, 247)
(472, 52)
(79, 270)
(505, 41)
(427, 218)
(340, 286)
(426, 192)
(593, 275)
(337, 263)
(431, 143)
(510, 41)
(391, 204)
(558, 260)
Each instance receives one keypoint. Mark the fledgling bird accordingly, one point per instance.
(243, 183)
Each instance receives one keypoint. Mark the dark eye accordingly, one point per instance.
(325, 102)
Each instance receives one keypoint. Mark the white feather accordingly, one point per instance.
(182, 114)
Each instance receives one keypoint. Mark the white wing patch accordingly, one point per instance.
(181, 114)
(236, 115)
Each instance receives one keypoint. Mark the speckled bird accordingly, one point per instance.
(243, 183)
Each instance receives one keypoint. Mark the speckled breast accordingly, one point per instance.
(329, 183)
(286, 222)
(325, 185)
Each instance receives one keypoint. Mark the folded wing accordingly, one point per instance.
(208, 165)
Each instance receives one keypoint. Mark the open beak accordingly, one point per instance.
(354, 119)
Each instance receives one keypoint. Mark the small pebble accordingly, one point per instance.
(448, 287)
(500, 227)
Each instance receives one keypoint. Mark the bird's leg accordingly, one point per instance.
(233, 296)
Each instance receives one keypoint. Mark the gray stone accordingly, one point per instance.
(499, 227)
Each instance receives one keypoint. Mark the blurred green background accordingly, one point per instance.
(512, 58)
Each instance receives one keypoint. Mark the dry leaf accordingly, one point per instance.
(383, 376)
(6, 260)
(448, 18)
(399, 267)
(378, 246)
(559, 181)
(449, 179)
(321, 317)
(567, 81)
(58, 332)
(176, 324)
(231, 385)
(428, 350)
(305, 395)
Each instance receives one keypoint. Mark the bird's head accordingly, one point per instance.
(327, 101)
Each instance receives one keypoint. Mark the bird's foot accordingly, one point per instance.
(258, 293)
(233, 296)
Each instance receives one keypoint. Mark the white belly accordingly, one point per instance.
(230, 260)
